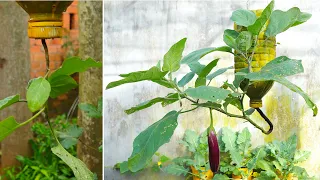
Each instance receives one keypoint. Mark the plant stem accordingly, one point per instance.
(211, 119)
(189, 110)
(32, 118)
(45, 47)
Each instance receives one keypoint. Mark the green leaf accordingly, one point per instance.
(229, 139)
(144, 105)
(201, 81)
(280, 21)
(164, 82)
(205, 71)
(282, 66)
(153, 73)
(267, 77)
(244, 140)
(61, 84)
(262, 20)
(7, 126)
(229, 37)
(300, 173)
(91, 110)
(258, 155)
(240, 76)
(276, 69)
(301, 156)
(235, 101)
(243, 17)
(249, 111)
(171, 98)
(208, 93)
(80, 170)
(70, 137)
(75, 64)
(151, 139)
(186, 79)
(191, 140)
(177, 170)
(38, 93)
(244, 41)
(198, 54)
(220, 177)
(218, 72)
(266, 175)
(8, 101)
(196, 67)
(171, 60)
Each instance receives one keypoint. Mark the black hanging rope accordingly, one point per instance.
(266, 119)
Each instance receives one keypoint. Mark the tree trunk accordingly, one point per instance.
(14, 77)
(90, 83)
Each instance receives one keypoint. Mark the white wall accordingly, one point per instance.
(138, 34)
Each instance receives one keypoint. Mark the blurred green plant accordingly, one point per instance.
(44, 164)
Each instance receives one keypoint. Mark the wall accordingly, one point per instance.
(138, 34)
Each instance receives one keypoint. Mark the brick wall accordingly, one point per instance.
(59, 49)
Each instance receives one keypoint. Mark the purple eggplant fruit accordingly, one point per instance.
(214, 152)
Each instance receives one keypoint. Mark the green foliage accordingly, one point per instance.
(70, 137)
(91, 110)
(280, 21)
(38, 93)
(235, 146)
(149, 141)
(43, 164)
(243, 17)
(171, 60)
(9, 101)
(262, 20)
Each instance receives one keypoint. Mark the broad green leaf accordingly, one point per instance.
(153, 73)
(262, 20)
(249, 111)
(61, 84)
(208, 93)
(201, 80)
(220, 177)
(171, 60)
(196, 67)
(198, 54)
(38, 93)
(288, 148)
(177, 170)
(151, 139)
(258, 155)
(80, 170)
(186, 79)
(144, 105)
(164, 82)
(244, 140)
(218, 72)
(244, 41)
(229, 37)
(171, 98)
(229, 139)
(266, 175)
(235, 101)
(70, 136)
(8, 101)
(283, 66)
(7, 126)
(236, 158)
(261, 76)
(240, 76)
(73, 65)
(301, 156)
(280, 21)
(205, 71)
(243, 17)
(191, 139)
(300, 173)
(90, 110)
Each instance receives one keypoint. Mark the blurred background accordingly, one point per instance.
(138, 33)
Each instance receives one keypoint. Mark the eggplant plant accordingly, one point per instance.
(38, 92)
(253, 32)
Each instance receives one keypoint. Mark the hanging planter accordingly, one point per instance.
(45, 20)
(264, 52)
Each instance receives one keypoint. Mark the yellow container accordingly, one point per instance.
(265, 52)
(45, 18)
(207, 175)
